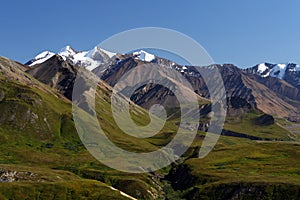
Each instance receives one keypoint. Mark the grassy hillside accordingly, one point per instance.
(236, 166)
(246, 124)
(37, 131)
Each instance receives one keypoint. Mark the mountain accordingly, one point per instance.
(244, 90)
(42, 57)
(88, 59)
(271, 88)
(43, 157)
(144, 56)
(289, 72)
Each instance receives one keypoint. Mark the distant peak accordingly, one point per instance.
(275, 70)
(40, 58)
(144, 56)
(67, 51)
(97, 50)
(262, 67)
(44, 54)
(67, 48)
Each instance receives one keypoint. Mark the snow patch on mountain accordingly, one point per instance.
(278, 71)
(88, 59)
(40, 58)
(273, 70)
(110, 54)
(144, 56)
(97, 53)
(295, 69)
(261, 68)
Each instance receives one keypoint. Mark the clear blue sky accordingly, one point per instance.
(232, 31)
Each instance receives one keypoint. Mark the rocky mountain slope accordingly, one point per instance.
(57, 73)
(272, 88)
(269, 94)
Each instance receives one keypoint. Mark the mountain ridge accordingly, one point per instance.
(272, 88)
(37, 127)
(263, 69)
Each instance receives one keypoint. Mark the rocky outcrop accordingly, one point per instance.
(240, 135)
(12, 176)
(264, 120)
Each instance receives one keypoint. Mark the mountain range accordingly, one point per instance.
(42, 156)
(271, 88)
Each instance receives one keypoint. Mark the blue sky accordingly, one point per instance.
(232, 31)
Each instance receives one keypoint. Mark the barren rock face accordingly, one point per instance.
(56, 73)
(265, 120)
(270, 95)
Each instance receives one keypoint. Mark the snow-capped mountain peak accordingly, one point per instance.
(144, 56)
(67, 51)
(97, 50)
(40, 58)
(288, 72)
(278, 71)
(98, 54)
(88, 59)
(275, 70)
(262, 67)
(44, 54)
